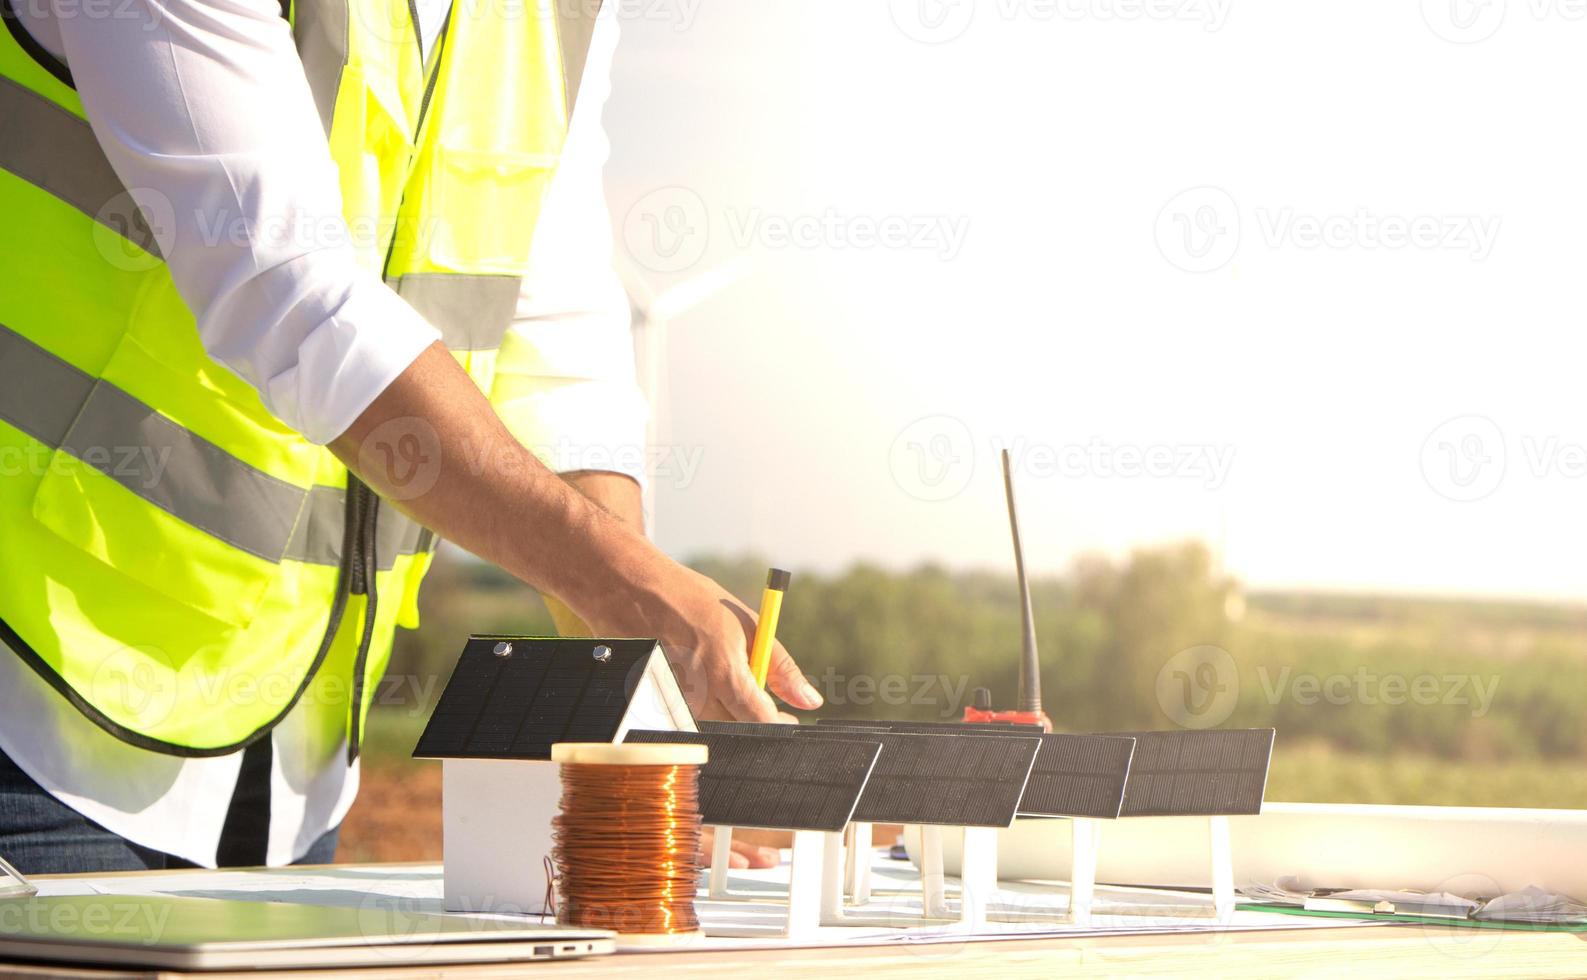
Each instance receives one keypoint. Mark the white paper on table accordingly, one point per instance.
(418, 888)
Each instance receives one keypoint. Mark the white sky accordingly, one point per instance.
(1058, 145)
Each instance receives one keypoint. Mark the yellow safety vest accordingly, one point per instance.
(173, 560)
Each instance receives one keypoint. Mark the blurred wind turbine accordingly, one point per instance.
(652, 314)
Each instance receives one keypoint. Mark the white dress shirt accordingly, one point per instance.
(202, 108)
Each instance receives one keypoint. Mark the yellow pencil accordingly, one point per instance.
(766, 629)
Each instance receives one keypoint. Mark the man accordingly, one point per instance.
(368, 264)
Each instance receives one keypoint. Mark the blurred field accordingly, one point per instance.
(1502, 724)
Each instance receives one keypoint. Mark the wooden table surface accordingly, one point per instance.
(1353, 952)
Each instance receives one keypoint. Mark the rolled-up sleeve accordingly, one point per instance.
(566, 383)
(204, 112)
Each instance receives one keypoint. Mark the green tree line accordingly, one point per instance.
(1454, 679)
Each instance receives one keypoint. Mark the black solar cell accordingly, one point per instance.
(970, 780)
(1198, 773)
(777, 782)
(1074, 775)
(543, 690)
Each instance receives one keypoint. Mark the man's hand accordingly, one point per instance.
(620, 496)
(759, 852)
(464, 476)
(706, 633)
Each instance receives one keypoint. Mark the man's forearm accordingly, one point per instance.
(619, 496)
(432, 445)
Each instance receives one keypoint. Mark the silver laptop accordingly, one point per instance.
(158, 931)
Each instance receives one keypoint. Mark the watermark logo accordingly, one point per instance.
(1463, 459)
(1365, 687)
(833, 230)
(1463, 21)
(1202, 229)
(122, 919)
(1199, 687)
(944, 692)
(667, 230)
(1198, 230)
(406, 453)
(932, 21)
(933, 458)
(939, 21)
(133, 229)
(1209, 463)
(1464, 942)
(139, 680)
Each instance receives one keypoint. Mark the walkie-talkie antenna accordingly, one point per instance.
(1029, 663)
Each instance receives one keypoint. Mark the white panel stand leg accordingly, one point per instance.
(980, 852)
(721, 857)
(831, 878)
(859, 864)
(1082, 869)
(933, 886)
(807, 889)
(848, 861)
(977, 876)
(804, 886)
(1222, 868)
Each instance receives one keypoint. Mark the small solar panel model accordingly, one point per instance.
(941, 782)
(509, 699)
(775, 782)
(1079, 777)
(1212, 773)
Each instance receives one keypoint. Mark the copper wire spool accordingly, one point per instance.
(627, 840)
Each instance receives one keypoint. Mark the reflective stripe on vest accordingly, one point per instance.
(177, 471)
(56, 151)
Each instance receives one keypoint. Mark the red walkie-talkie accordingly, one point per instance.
(1029, 712)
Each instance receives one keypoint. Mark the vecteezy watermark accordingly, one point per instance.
(943, 692)
(1463, 21)
(1463, 458)
(142, 680)
(940, 21)
(1200, 687)
(135, 467)
(934, 457)
(668, 230)
(1198, 230)
(1207, 463)
(1470, 21)
(834, 230)
(405, 453)
(146, 15)
(114, 916)
(670, 465)
(1464, 943)
(393, 24)
(1201, 229)
(137, 226)
(1369, 688)
(1468, 457)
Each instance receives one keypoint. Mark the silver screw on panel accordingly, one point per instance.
(603, 653)
(503, 649)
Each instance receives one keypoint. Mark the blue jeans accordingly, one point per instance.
(41, 835)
